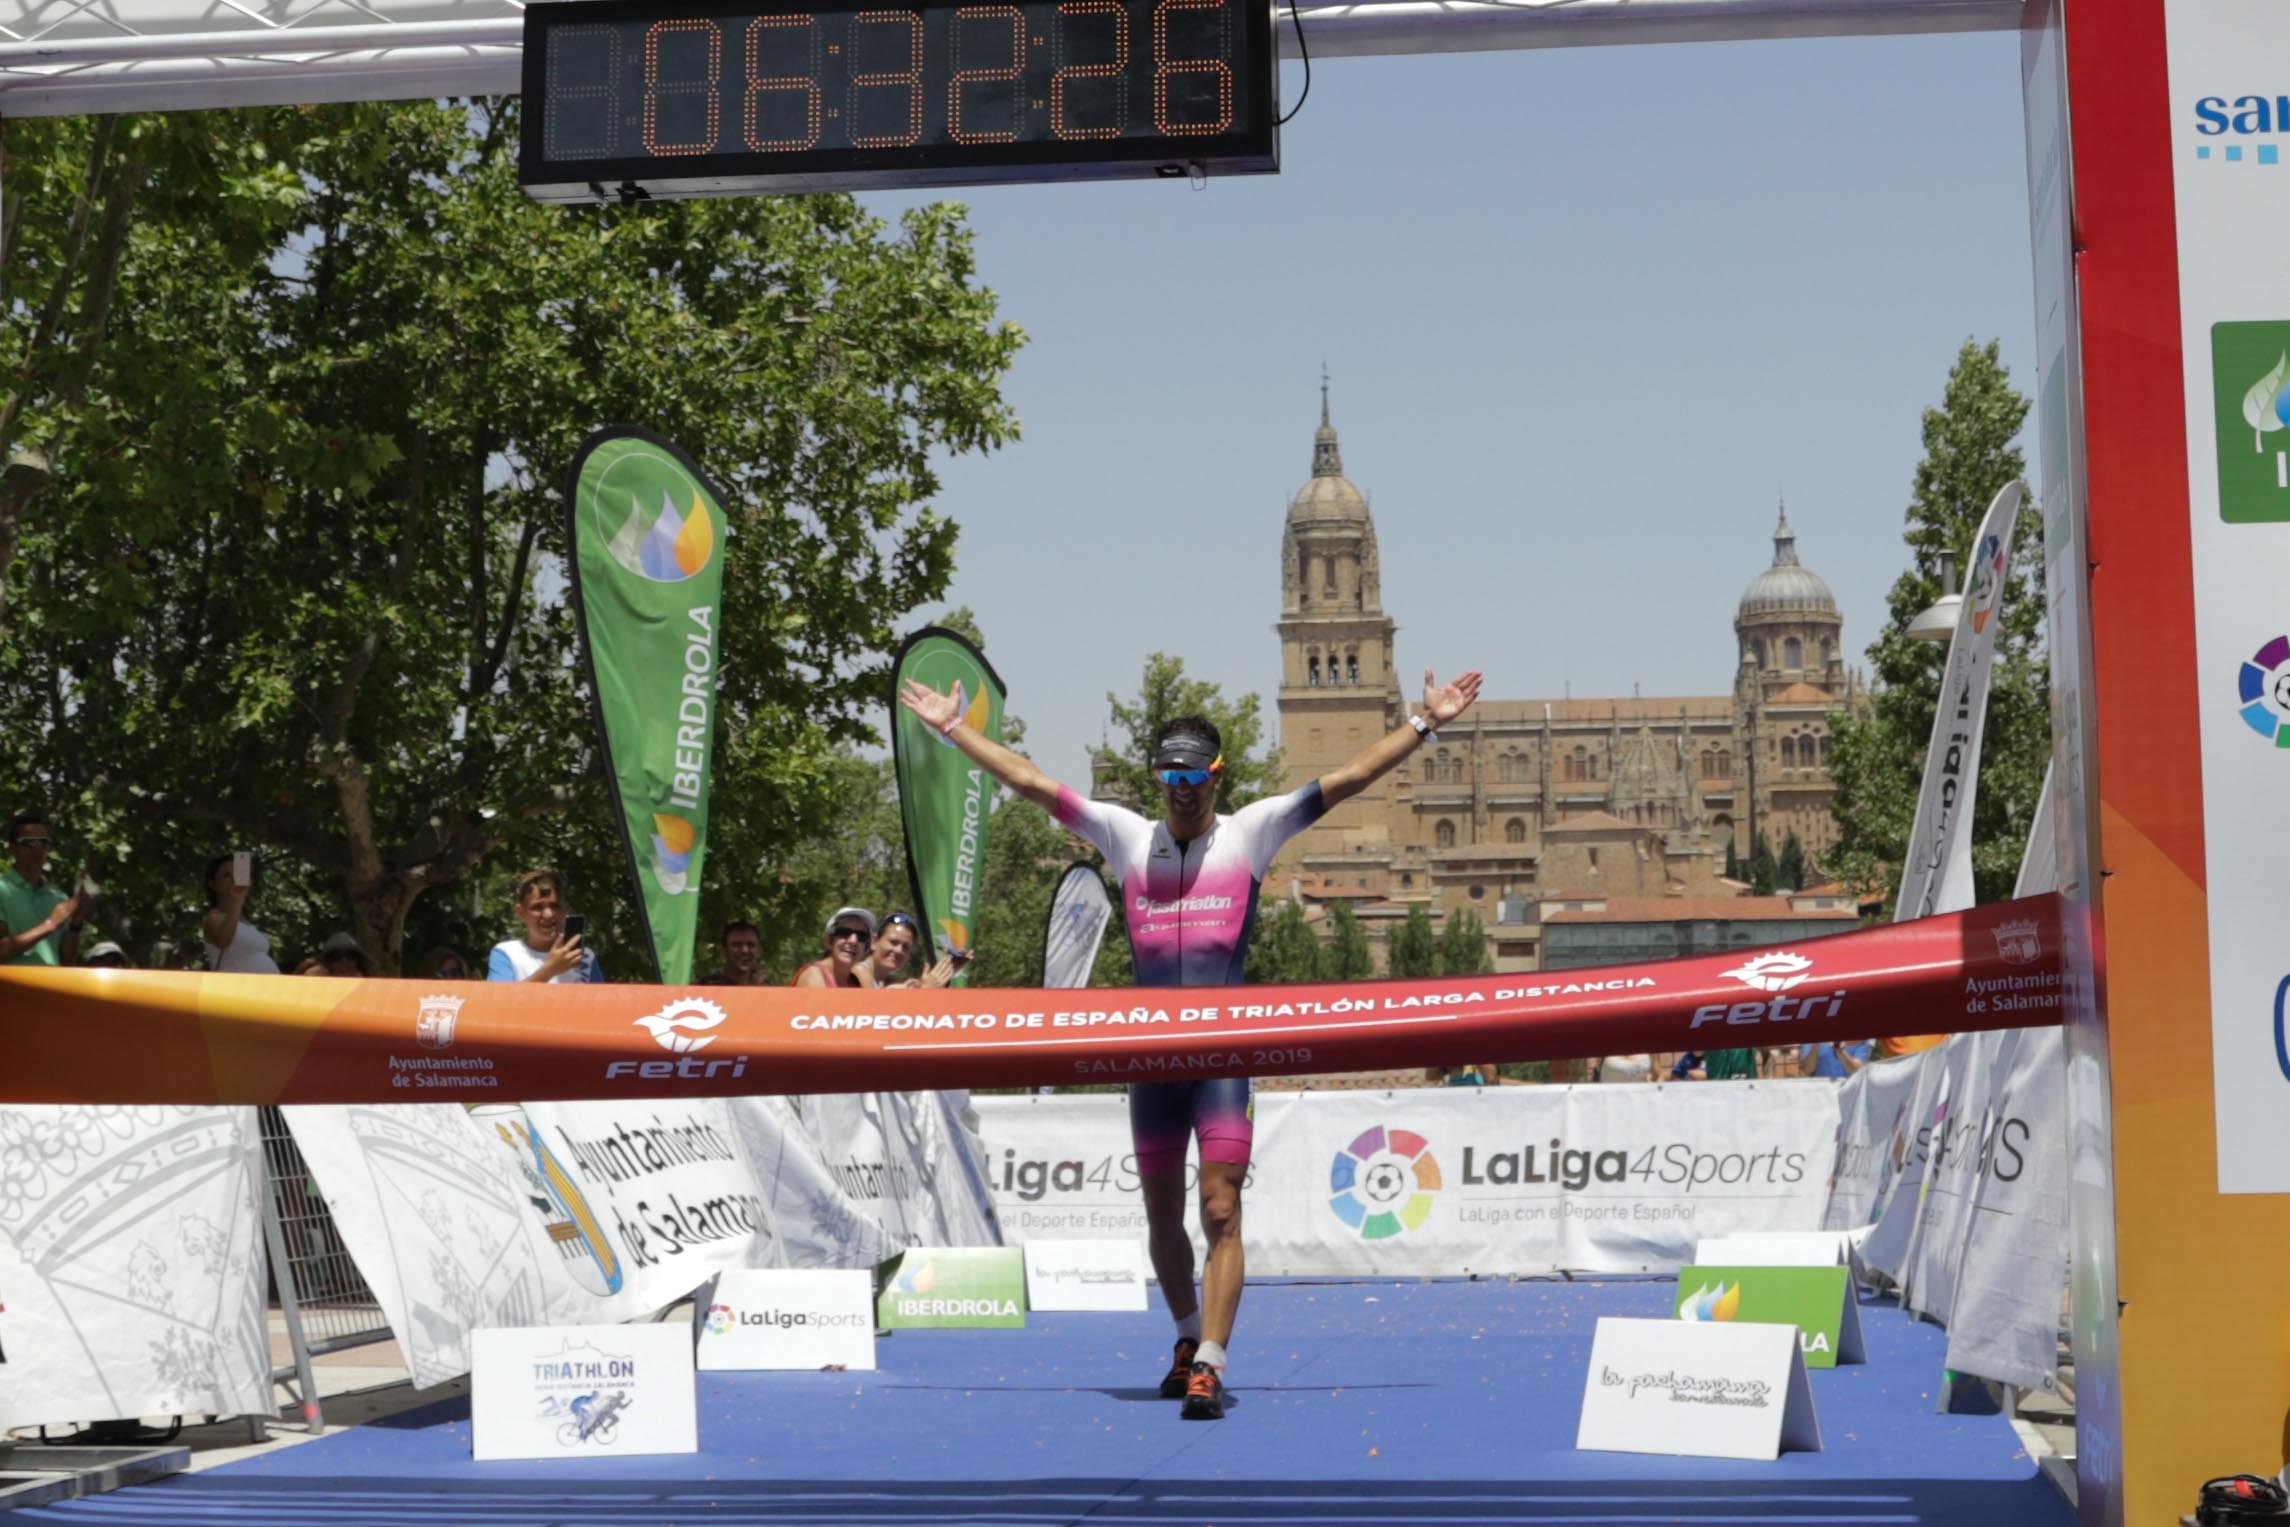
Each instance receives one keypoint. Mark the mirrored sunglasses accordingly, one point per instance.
(1184, 776)
(29, 841)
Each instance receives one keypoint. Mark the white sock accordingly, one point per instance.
(1212, 1353)
(1189, 1328)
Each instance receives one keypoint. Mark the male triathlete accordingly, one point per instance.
(1188, 891)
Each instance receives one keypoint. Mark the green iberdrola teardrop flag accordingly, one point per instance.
(943, 796)
(646, 534)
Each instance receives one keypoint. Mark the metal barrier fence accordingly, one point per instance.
(322, 1295)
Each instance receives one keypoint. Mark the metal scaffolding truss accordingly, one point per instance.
(72, 56)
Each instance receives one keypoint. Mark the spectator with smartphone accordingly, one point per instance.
(894, 950)
(39, 921)
(233, 944)
(552, 948)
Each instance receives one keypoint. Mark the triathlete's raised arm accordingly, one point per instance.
(943, 715)
(1442, 703)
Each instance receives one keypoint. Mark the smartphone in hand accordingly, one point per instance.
(576, 925)
(242, 869)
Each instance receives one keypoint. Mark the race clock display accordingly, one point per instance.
(634, 98)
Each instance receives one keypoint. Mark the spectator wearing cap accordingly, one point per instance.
(894, 951)
(741, 945)
(546, 952)
(850, 932)
(106, 956)
(231, 943)
(39, 921)
(340, 955)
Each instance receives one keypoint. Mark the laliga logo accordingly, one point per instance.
(681, 1025)
(720, 1319)
(1773, 972)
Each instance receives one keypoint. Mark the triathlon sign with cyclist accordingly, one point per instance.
(583, 1391)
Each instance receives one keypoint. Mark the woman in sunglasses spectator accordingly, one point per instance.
(232, 943)
(849, 934)
(894, 949)
(442, 964)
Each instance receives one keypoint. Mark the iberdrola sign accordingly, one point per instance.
(944, 798)
(646, 535)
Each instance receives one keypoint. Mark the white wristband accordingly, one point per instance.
(1423, 728)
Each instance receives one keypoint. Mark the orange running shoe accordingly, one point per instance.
(1204, 1395)
(1180, 1369)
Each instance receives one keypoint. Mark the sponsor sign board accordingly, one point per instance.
(1085, 1275)
(1696, 1389)
(1818, 1301)
(952, 1286)
(806, 1318)
(565, 1392)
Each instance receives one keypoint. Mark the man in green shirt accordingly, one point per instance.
(39, 922)
(1730, 1065)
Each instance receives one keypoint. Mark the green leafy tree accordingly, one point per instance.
(1125, 772)
(1732, 860)
(1789, 872)
(1762, 868)
(1412, 948)
(1345, 956)
(1285, 947)
(1463, 945)
(1970, 451)
(314, 603)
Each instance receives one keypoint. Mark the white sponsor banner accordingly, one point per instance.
(131, 1264)
(1937, 873)
(1443, 1181)
(855, 1178)
(1871, 1111)
(583, 1392)
(1079, 913)
(788, 1318)
(1781, 1248)
(1085, 1275)
(1704, 1390)
(553, 1214)
(2012, 1273)
(2234, 312)
(1951, 1173)
(1901, 1183)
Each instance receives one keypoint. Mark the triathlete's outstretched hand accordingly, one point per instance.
(1442, 703)
(938, 711)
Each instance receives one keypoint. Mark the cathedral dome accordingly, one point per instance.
(1329, 495)
(1786, 588)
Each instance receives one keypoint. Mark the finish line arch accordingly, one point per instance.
(2154, 230)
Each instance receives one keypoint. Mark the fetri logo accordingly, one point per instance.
(665, 547)
(1711, 1303)
(1773, 972)
(1384, 1183)
(682, 1026)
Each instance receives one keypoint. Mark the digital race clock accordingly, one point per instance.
(630, 98)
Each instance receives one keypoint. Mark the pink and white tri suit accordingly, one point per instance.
(1190, 908)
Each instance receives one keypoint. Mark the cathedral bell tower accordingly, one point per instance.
(1337, 689)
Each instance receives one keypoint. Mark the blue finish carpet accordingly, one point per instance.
(1352, 1403)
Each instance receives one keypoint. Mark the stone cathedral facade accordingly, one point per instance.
(1521, 800)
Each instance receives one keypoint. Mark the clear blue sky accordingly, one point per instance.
(1586, 311)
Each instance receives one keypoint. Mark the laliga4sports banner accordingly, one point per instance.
(646, 533)
(944, 798)
(181, 1037)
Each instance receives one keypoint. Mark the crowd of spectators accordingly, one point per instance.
(43, 916)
